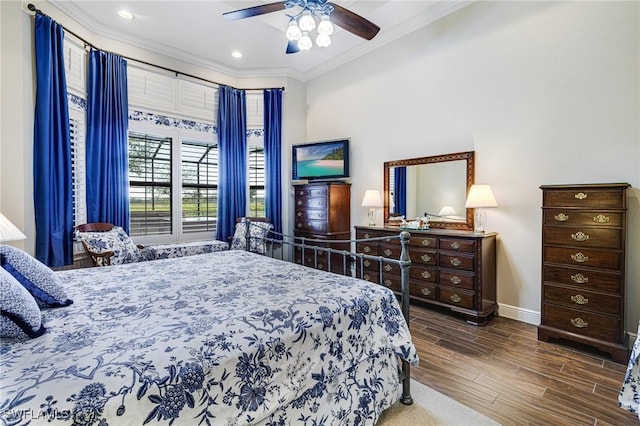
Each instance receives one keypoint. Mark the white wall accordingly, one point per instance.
(543, 92)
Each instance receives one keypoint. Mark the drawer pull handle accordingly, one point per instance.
(455, 280)
(580, 236)
(455, 298)
(579, 323)
(455, 261)
(579, 299)
(561, 217)
(367, 263)
(367, 277)
(426, 243)
(579, 257)
(426, 274)
(455, 245)
(367, 236)
(320, 266)
(601, 218)
(579, 278)
(299, 225)
(367, 249)
(387, 282)
(299, 214)
(425, 257)
(301, 192)
(581, 196)
(387, 252)
(425, 291)
(387, 268)
(299, 202)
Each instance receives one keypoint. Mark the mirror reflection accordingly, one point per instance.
(435, 187)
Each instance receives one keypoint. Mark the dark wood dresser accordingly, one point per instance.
(583, 265)
(323, 211)
(453, 269)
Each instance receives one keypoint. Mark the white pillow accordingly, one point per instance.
(257, 231)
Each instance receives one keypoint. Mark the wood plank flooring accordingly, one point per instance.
(504, 372)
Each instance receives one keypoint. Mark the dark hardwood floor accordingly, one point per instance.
(504, 372)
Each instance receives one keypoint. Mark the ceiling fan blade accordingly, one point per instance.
(255, 11)
(353, 22)
(292, 47)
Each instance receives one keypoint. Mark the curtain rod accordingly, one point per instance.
(34, 9)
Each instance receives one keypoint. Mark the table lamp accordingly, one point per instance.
(8, 231)
(372, 200)
(480, 197)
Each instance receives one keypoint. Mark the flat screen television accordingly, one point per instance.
(326, 160)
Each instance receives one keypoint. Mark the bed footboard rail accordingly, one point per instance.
(354, 264)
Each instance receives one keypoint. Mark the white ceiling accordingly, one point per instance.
(196, 32)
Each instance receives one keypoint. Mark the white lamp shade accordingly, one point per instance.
(480, 196)
(8, 231)
(372, 198)
(447, 211)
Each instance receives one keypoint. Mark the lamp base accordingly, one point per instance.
(480, 220)
(372, 217)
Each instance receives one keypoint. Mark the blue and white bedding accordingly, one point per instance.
(629, 397)
(228, 338)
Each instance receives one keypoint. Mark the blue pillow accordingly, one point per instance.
(43, 284)
(19, 314)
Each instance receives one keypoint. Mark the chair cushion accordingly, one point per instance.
(116, 240)
(43, 284)
(257, 231)
(20, 316)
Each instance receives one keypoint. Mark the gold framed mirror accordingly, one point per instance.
(435, 186)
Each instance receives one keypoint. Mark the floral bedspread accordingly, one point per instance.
(629, 397)
(227, 338)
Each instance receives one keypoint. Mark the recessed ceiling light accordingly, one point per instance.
(236, 54)
(125, 14)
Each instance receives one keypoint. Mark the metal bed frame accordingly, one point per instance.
(283, 247)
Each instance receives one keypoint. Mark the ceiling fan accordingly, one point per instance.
(301, 23)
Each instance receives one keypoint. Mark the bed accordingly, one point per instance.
(227, 338)
(629, 397)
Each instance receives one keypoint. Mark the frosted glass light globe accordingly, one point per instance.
(307, 23)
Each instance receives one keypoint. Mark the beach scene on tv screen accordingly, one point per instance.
(321, 160)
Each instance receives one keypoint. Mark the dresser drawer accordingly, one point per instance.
(311, 203)
(311, 214)
(457, 245)
(582, 322)
(456, 261)
(390, 281)
(367, 248)
(585, 300)
(423, 290)
(423, 257)
(415, 272)
(583, 236)
(584, 198)
(603, 259)
(453, 296)
(423, 241)
(456, 279)
(610, 282)
(572, 217)
(312, 225)
(311, 191)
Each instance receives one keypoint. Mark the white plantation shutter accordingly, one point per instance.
(75, 64)
(150, 90)
(78, 169)
(197, 100)
(255, 109)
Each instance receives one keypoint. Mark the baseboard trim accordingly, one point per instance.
(519, 314)
(533, 317)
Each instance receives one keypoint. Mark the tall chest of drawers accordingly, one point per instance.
(323, 212)
(452, 269)
(583, 265)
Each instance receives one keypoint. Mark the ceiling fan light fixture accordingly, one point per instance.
(293, 31)
(305, 41)
(307, 23)
(325, 26)
(323, 40)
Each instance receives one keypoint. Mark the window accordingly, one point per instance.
(150, 184)
(77, 133)
(199, 186)
(256, 182)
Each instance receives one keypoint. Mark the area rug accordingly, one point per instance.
(433, 409)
